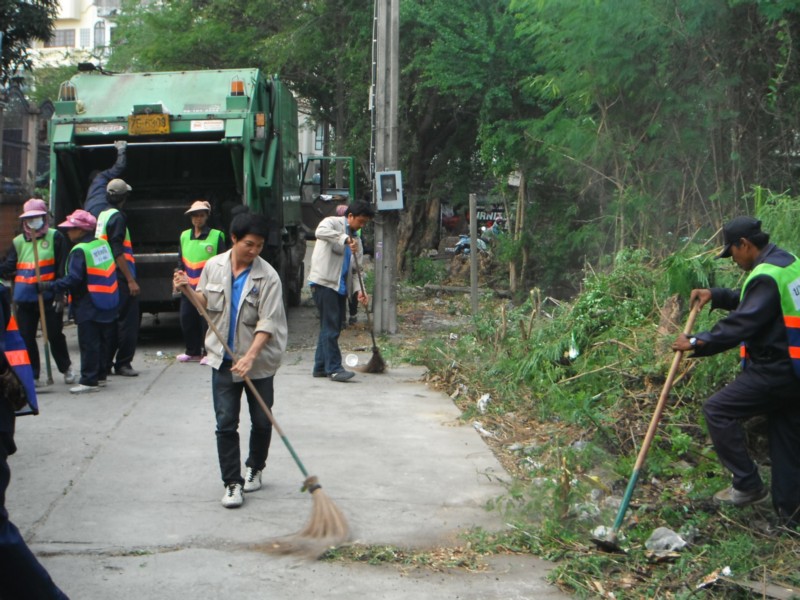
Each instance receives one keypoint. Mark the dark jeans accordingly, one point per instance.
(22, 577)
(94, 340)
(126, 333)
(28, 321)
(331, 307)
(227, 396)
(194, 328)
(760, 390)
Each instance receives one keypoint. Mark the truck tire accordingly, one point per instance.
(294, 285)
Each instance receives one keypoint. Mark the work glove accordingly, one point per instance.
(58, 305)
(44, 286)
(12, 390)
(120, 145)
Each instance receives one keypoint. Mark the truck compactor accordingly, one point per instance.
(226, 136)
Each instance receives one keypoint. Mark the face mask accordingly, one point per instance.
(35, 224)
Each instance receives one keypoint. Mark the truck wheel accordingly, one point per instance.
(294, 285)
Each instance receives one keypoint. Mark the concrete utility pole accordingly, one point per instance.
(386, 79)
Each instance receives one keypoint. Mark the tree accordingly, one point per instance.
(22, 21)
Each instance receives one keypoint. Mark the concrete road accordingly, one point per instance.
(118, 492)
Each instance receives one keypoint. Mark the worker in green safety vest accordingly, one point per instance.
(198, 244)
(765, 318)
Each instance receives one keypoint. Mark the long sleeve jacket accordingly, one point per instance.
(756, 318)
(327, 259)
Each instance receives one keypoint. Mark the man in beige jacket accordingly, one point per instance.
(244, 298)
(333, 279)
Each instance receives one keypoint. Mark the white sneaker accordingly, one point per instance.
(84, 389)
(69, 376)
(233, 497)
(252, 480)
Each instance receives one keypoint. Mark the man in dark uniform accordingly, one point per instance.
(765, 317)
(22, 577)
(104, 203)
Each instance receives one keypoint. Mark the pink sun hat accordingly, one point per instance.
(35, 207)
(80, 219)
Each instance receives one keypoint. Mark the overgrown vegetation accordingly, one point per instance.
(573, 386)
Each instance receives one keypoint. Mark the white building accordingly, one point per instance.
(83, 32)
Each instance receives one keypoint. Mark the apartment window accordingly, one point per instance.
(319, 138)
(62, 38)
(86, 39)
(100, 34)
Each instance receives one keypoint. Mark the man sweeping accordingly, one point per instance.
(243, 297)
(764, 318)
(333, 279)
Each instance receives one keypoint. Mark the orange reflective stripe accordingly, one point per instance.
(47, 262)
(32, 280)
(193, 280)
(743, 351)
(127, 244)
(793, 322)
(794, 352)
(12, 324)
(99, 271)
(17, 358)
(103, 289)
(194, 265)
(129, 258)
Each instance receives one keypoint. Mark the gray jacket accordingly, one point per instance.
(260, 309)
(328, 256)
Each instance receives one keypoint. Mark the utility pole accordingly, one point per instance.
(386, 79)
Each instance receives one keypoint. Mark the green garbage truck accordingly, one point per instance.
(227, 136)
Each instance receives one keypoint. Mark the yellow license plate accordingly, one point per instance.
(153, 124)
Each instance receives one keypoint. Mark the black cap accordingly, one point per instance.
(736, 229)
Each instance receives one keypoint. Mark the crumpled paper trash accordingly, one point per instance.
(664, 539)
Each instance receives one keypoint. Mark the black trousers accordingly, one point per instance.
(194, 328)
(773, 391)
(28, 322)
(94, 340)
(126, 333)
(22, 577)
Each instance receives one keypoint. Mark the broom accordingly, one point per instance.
(327, 526)
(376, 364)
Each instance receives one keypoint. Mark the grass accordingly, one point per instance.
(568, 426)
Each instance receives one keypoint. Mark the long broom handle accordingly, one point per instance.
(366, 308)
(189, 293)
(651, 430)
(42, 318)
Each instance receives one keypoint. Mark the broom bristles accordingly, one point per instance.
(376, 364)
(327, 528)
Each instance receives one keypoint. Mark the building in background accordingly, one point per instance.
(83, 32)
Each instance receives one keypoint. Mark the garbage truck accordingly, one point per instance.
(227, 136)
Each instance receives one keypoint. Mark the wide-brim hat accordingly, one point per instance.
(35, 207)
(199, 205)
(80, 219)
(736, 229)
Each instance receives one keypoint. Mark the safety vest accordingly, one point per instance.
(25, 280)
(788, 282)
(101, 234)
(195, 253)
(18, 359)
(101, 273)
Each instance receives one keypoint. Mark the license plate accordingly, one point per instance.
(153, 124)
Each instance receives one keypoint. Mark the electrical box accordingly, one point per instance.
(389, 190)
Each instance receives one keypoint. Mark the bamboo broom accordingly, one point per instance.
(327, 526)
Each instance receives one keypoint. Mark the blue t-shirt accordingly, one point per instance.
(345, 266)
(236, 294)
